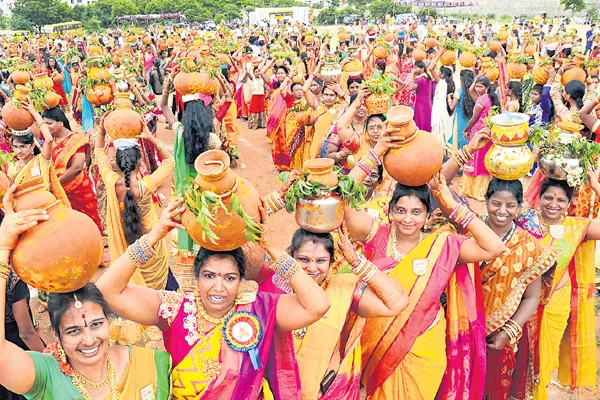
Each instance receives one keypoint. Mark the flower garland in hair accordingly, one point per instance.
(56, 350)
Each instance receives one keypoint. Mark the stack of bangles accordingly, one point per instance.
(285, 268)
(363, 268)
(158, 145)
(140, 252)
(274, 202)
(513, 330)
(369, 162)
(462, 215)
(462, 156)
(4, 270)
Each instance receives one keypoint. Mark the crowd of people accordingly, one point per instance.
(414, 296)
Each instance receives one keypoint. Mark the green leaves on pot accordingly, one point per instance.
(205, 205)
(7, 158)
(380, 84)
(351, 191)
(100, 62)
(487, 121)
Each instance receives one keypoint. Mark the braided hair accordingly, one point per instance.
(517, 89)
(127, 161)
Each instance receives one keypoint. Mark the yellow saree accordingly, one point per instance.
(39, 166)
(567, 338)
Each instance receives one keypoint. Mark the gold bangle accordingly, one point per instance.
(159, 146)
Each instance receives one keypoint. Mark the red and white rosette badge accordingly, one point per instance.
(242, 332)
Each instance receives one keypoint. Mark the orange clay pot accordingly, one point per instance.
(99, 94)
(18, 119)
(380, 52)
(448, 58)
(495, 45)
(50, 256)
(541, 73)
(320, 170)
(123, 121)
(516, 71)
(215, 175)
(52, 99)
(419, 159)
(419, 55)
(377, 103)
(20, 77)
(467, 59)
(431, 42)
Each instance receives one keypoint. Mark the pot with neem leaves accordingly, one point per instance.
(319, 197)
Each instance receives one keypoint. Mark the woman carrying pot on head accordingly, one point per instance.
(286, 127)
(69, 151)
(402, 356)
(328, 351)
(325, 114)
(33, 163)
(566, 313)
(201, 329)
(567, 104)
(56, 73)
(476, 176)
(512, 284)
(82, 363)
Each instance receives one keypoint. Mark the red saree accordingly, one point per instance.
(80, 190)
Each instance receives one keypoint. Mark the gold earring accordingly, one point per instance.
(239, 297)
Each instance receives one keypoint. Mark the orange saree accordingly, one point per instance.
(80, 190)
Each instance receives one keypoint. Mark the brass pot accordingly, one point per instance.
(323, 214)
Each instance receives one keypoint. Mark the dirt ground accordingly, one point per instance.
(256, 166)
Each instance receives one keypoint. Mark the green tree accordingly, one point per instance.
(33, 14)
(123, 7)
(573, 5)
(380, 8)
(593, 11)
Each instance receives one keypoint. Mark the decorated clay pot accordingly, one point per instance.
(50, 256)
(353, 67)
(509, 162)
(98, 73)
(419, 55)
(58, 78)
(215, 175)
(323, 214)
(510, 128)
(377, 103)
(196, 82)
(417, 161)
(516, 71)
(99, 94)
(320, 170)
(380, 52)
(431, 42)
(331, 71)
(541, 73)
(495, 45)
(41, 80)
(123, 121)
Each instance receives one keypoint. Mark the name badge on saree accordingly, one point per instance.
(35, 172)
(420, 266)
(557, 231)
(147, 393)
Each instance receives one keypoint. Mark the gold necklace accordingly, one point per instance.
(545, 224)
(83, 385)
(213, 320)
(394, 252)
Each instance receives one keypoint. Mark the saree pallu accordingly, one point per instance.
(39, 166)
(286, 131)
(232, 130)
(80, 190)
(324, 121)
(338, 334)
(238, 379)
(402, 356)
(567, 337)
(146, 376)
(504, 282)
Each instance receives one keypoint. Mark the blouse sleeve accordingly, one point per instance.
(555, 95)
(170, 303)
(156, 179)
(106, 171)
(222, 111)
(43, 374)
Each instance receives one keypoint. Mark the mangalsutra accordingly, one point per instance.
(394, 252)
(83, 384)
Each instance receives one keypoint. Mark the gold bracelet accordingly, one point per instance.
(5, 270)
(159, 146)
